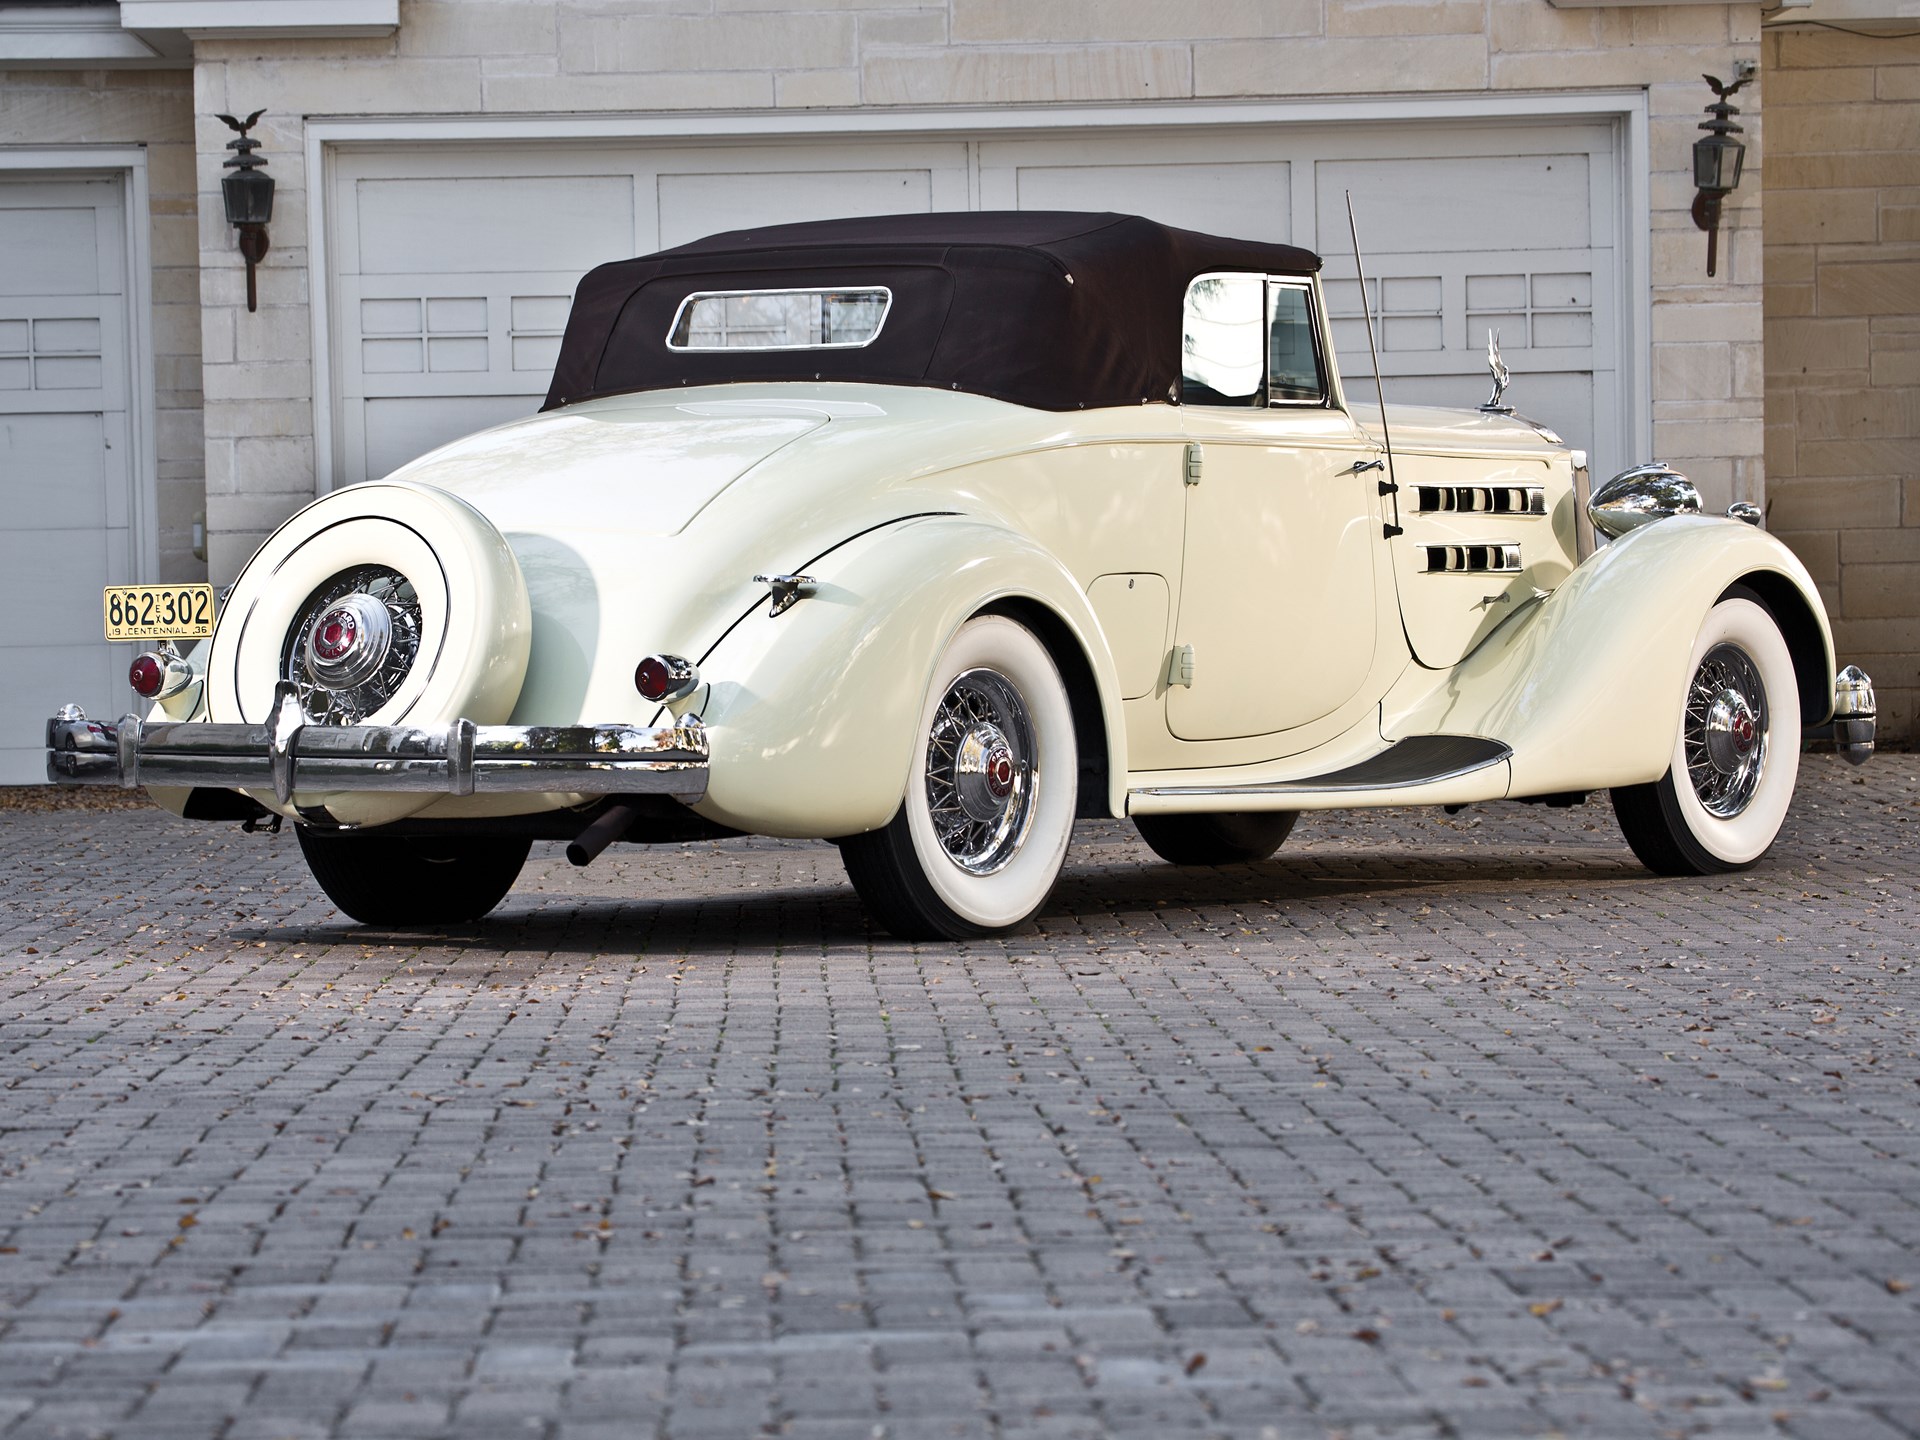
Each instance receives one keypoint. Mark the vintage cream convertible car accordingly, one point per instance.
(930, 534)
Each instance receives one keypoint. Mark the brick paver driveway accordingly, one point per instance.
(1458, 1127)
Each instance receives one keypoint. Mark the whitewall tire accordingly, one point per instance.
(982, 831)
(1737, 755)
(429, 569)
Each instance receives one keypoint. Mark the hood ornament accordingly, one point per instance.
(1492, 405)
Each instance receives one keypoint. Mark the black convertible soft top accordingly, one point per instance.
(1058, 310)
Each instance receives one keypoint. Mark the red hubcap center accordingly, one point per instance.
(335, 634)
(1000, 772)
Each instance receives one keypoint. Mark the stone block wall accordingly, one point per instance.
(1843, 340)
(153, 108)
(546, 57)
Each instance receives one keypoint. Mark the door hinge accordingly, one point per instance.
(1389, 531)
(1193, 462)
(1387, 487)
(1180, 667)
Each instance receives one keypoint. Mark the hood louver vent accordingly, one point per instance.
(1482, 499)
(1499, 558)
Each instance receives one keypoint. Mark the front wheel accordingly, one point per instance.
(1726, 792)
(403, 882)
(1231, 838)
(982, 831)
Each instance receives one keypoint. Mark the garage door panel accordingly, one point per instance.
(61, 352)
(1454, 202)
(53, 471)
(50, 573)
(50, 250)
(1434, 311)
(496, 222)
(1251, 199)
(478, 333)
(695, 205)
(65, 453)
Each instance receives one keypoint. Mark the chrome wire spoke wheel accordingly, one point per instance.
(980, 775)
(352, 644)
(991, 788)
(1725, 731)
(1733, 763)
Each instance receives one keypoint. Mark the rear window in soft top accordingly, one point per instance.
(820, 319)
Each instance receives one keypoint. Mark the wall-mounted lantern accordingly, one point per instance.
(248, 191)
(1717, 157)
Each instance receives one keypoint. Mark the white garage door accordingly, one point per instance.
(65, 455)
(454, 266)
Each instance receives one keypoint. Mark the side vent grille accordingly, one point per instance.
(1482, 499)
(1496, 559)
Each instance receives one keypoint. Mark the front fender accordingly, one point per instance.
(1588, 686)
(811, 713)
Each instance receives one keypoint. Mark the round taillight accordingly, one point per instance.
(146, 675)
(665, 677)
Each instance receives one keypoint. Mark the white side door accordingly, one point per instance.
(65, 456)
(1278, 617)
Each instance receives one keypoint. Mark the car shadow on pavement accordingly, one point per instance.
(828, 915)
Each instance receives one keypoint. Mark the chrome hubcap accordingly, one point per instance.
(980, 772)
(1726, 731)
(347, 644)
(352, 644)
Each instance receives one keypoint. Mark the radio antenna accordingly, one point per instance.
(1391, 485)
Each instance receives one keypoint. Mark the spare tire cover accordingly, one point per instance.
(462, 622)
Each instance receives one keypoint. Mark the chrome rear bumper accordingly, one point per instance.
(288, 754)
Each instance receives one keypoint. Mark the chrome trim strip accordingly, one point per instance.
(1329, 784)
(461, 759)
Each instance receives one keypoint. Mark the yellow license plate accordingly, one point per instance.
(158, 612)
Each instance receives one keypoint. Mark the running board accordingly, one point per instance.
(1417, 760)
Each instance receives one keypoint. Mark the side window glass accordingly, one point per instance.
(1293, 357)
(1221, 361)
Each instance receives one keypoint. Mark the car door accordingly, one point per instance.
(1278, 614)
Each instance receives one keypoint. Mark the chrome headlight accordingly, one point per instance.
(1638, 496)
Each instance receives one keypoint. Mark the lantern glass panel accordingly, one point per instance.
(249, 197)
(1716, 163)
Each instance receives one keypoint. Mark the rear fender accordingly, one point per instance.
(811, 713)
(1588, 685)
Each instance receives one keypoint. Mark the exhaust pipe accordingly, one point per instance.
(611, 824)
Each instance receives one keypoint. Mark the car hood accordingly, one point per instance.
(632, 466)
(1436, 431)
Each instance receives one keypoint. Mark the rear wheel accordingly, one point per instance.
(982, 832)
(1735, 760)
(405, 882)
(1236, 838)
